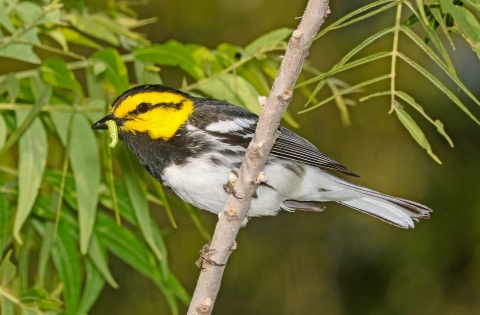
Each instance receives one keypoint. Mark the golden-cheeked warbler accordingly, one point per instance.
(191, 145)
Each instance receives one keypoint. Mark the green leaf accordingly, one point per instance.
(338, 23)
(267, 41)
(116, 71)
(23, 51)
(23, 260)
(197, 220)
(94, 82)
(8, 271)
(122, 243)
(345, 91)
(5, 222)
(43, 100)
(13, 87)
(99, 259)
(57, 35)
(5, 20)
(439, 85)
(54, 71)
(467, 23)
(419, 108)
(171, 53)
(39, 297)
(7, 306)
(89, 26)
(66, 260)
(47, 243)
(146, 73)
(161, 194)
(75, 37)
(3, 131)
(450, 72)
(28, 11)
(85, 161)
(93, 287)
(33, 148)
(439, 18)
(415, 131)
(474, 4)
(137, 191)
(233, 89)
(347, 66)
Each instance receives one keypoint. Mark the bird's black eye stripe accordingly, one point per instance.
(142, 108)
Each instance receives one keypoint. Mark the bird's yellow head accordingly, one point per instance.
(154, 109)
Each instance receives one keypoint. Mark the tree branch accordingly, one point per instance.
(235, 209)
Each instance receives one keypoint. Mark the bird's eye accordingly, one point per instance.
(143, 108)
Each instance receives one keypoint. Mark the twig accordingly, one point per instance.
(235, 209)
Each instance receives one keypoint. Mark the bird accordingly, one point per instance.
(193, 144)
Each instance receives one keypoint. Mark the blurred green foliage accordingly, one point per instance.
(67, 207)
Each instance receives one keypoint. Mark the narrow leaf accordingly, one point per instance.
(137, 191)
(85, 161)
(146, 73)
(66, 260)
(32, 160)
(474, 4)
(5, 222)
(116, 72)
(415, 131)
(347, 66)
(88, 26)
(75, 37)
(47, 243)
(8, 271)
(439, 85)
(162, 196)
(7, 306)
(337, 23)
(345, 91)
(452, 75)
(13, 87)
(5, 20)
(419, 108)
(3, 131)
(267, 41)
(233, 89)
(43, 100)
(99, 259)
(197, 220)
(438, 17)
(171, 53)
(93, 287)
(23, 51)
(54, 71)
(466, 22)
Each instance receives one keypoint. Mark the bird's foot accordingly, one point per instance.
(205, 253)
(228, 187)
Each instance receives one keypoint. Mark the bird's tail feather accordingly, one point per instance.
(397, 211)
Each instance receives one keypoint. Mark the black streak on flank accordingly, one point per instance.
(296, 168)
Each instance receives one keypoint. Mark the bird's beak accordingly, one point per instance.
(101, 124)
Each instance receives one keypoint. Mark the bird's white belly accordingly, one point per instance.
(200, 183)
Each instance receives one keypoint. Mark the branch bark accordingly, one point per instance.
(234, 211)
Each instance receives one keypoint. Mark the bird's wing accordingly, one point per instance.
(236, 126)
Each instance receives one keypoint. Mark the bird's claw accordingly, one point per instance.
(204, 253)
(228, 187)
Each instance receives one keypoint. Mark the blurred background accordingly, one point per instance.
(339, 261)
